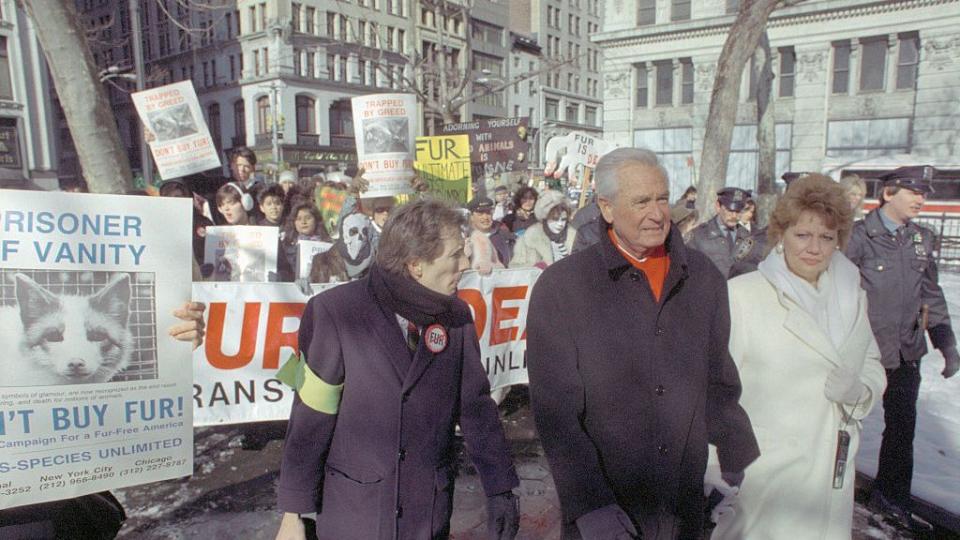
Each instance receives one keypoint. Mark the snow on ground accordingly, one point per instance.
(936, 475)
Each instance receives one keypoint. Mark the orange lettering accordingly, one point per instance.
(276, 337)
(501, 314)
(474, 299)
(213, 345)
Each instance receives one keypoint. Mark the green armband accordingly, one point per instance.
(315, 393)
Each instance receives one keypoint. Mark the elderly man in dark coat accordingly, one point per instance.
(630, 376)
(392, 366)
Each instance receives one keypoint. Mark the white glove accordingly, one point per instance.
(843, 386)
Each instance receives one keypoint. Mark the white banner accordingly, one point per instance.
(176, 130)
(93, 393)
(306, 249)
(252, 330)
(385, 126)
(241, 252)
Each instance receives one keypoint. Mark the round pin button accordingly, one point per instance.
(436, 338)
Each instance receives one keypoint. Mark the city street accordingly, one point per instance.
(231, 494)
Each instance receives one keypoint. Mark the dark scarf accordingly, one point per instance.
(556, 238)
(414, 302)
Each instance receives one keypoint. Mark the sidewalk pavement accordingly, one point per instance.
(231, 493)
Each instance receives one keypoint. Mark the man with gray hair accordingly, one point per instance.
(628, 393)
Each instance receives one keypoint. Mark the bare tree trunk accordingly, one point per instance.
(742, 40)
(85, 105)
(766, 132)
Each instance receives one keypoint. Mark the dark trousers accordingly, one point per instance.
(895, 469)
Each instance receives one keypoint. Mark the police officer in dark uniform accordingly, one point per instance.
(723, 237)
(897, 260)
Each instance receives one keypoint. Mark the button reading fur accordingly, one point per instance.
(436, 337)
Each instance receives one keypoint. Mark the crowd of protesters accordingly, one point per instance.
(626, 396)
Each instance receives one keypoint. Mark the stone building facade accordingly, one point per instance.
(856, 81)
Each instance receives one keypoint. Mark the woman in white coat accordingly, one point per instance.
(810, 370)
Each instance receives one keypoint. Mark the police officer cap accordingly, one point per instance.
(915, 178)
(480, 204)
(733, 199)
(791, 176)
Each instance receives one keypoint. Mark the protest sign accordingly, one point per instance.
(499, 303)
(241, 252)
(177, 133)
(385, 126)
(306, 249)
(497, 145)
(252, 330)
(444, 163)
(93, 394)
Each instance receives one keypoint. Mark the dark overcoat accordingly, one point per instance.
(628, 391)
(708, 239)
(899, 273)
(381, 466)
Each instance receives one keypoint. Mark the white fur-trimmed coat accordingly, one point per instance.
(784, 358)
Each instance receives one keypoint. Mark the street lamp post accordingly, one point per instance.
(146, 164)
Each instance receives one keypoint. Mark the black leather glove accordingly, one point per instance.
(503, 516)
(607, 523)
(951, 362)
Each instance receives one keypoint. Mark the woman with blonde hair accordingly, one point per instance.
(810, 370)
(855, 189)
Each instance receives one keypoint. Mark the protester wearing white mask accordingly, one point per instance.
(551, 239)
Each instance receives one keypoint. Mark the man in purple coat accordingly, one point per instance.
(392, 365)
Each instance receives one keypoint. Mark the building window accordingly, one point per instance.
(342, 71)
(487, 33)
(646, 12)
(309, 20)
(297, 66)
(664, 82)
(873, 62)
(590, 116)
(362, 71)
(744, 159)
(686, 86)
(311, 60)
(295, 16)
(642, 82)
(213, 122)
(263, 115)
(492, 64)
(6, 81)
(841, 67)
(401, 41)
(551, 109)
(572, 113)
(680, 10)
(306, 113)
(674, 149)
(788, 62)
(907, 60)
(331, 66)
(868, 138)
(331, 24)
(256, 62)
(266, 60)
(341, 119)
(233, 68)
(239, 123)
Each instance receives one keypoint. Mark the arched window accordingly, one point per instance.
(306, 115)
(263, 115)
(239, 124)
(213, 122)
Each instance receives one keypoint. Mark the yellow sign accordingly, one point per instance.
(444, 163)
